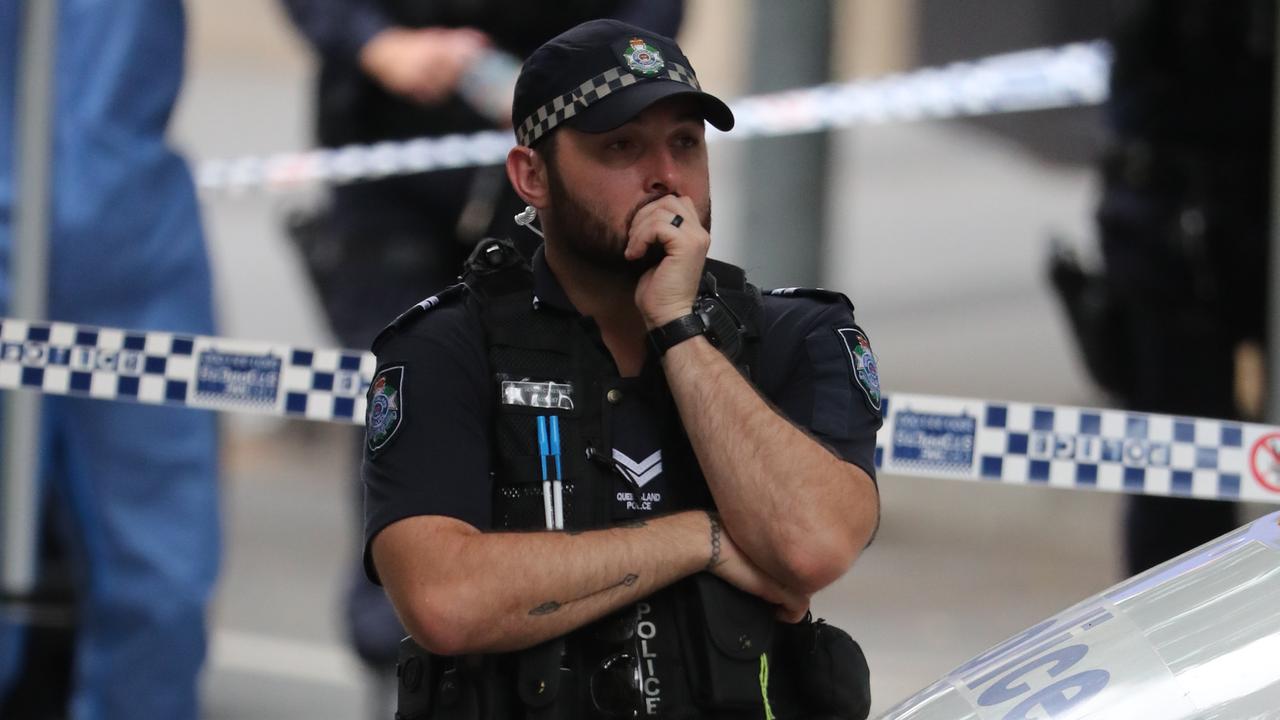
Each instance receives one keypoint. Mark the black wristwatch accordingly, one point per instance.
(709, 317)
(667, 336)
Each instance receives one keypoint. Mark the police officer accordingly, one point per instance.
(593, 481)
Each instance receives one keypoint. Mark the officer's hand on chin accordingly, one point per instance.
(667, 291)
(735, 568)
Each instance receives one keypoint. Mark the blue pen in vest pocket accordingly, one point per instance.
(557, 485)
(543, 451)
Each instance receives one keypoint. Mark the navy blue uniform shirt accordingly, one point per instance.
(436, 461)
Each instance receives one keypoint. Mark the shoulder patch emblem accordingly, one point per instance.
(862, 362)
(386, 407)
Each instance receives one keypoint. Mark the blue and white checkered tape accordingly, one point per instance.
(1080, 448)
(1065, 76)
(194, 371)
(923, 435)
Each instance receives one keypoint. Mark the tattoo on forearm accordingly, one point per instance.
(552, 606)
(546, 608)
(715, 541)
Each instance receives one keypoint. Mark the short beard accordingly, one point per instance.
(583, 230)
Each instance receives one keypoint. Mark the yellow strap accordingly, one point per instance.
(764, 686)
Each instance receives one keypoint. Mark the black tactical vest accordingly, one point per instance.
(531, 348)
(551, 364)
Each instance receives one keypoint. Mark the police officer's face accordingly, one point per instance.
(598, 181)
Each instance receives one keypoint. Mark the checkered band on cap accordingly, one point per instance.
(549, 116)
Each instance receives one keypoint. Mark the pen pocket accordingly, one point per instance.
(534, 486)
(522, 506)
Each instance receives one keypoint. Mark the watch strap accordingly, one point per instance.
(667, 336)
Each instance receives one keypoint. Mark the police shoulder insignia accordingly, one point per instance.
(643, 58)
(386, 407)
(862, 361)
(820, 294)
(407, 317)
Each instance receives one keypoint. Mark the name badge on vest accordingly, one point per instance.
(543, 394)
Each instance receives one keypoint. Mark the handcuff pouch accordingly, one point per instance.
(728, 630)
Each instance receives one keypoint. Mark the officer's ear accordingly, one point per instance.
(527, 171)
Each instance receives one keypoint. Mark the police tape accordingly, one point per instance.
(1079, 448)
(1067, 76)
(923, 435)
(195, 371)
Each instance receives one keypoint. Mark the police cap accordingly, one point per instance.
(600, 74)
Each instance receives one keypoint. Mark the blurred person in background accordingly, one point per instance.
(130, 489)
(1177, 323)
(402, 69)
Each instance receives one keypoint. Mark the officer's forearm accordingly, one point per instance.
(459, 591)
(798, 511)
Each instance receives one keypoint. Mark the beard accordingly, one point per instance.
(584, 230)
